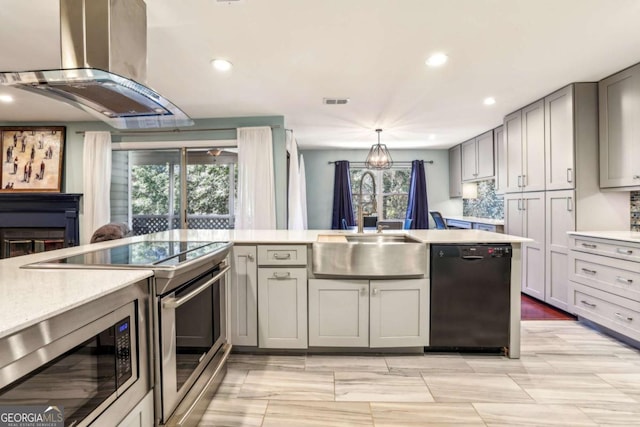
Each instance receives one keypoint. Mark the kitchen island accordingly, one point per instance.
(30, 296)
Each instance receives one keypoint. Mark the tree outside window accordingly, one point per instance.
(392, 192)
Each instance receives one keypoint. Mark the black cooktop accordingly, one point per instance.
(144, 254)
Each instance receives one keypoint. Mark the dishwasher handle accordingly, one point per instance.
(472, 257)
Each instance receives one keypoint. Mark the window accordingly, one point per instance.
(146, 189)
(392, 192)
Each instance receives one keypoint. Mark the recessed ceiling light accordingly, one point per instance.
(6, 98)
(432, 137)
(221, 64)
(437, 59)
(489, 101)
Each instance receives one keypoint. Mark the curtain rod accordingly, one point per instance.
(395, 163)
(144, 132)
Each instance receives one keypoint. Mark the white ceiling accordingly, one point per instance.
(289, 54)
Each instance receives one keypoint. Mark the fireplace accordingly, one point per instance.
(38, 222)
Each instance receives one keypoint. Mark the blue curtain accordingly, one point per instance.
(342, 204)
(418, 207)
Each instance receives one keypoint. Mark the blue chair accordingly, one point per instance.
(407, 224)
(344, 224)
(437, 218)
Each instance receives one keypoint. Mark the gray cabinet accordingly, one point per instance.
(500, 160)
(559, 140)
(560, 219)
(619, 101)
(455, 172)
(399, 313)
(524, 143)
(362, 313)
(338, 313)
(478, 158)
(282, 296)
(525, 216)
(282, 307)
(244, 296)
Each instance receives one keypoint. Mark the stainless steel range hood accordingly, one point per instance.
(104, 66)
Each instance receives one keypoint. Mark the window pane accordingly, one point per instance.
(368, 206)
(209, 195)
(396, 181)
(395, 206)
(155, 187)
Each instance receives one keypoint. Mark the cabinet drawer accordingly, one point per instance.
(613, 275)
(282, 255)
(619, 314)
(485, 227)
(612, 248)
(456, 223)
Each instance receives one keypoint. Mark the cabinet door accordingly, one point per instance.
(282, 307)
(560, 219)
(559, 140)
(244, 296)
(533, 255)
(338, 313)
(513, 214)
(619, 102)
(455, 172)
(513, 151)
(533, 177)
(469, 158)
(500, 160)
(485, 155)
(399, 313)
(141, 415)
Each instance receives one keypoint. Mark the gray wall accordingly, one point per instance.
(320, 174)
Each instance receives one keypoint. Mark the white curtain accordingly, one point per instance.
(97, 182)
(256, 190)
(296, 221)
(303, 193)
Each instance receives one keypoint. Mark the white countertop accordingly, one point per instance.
(475, 219)
(28, 296)
(626, 236)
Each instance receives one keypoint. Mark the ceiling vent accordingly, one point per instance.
(229, 2)
(335, 101)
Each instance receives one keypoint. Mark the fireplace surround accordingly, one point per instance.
(35, 222)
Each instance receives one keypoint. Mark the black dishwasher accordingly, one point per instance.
(470, 296)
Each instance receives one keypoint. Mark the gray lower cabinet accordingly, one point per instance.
(282, 307)
(338, 313)
(244, 296)
(376, 313)
(560, 219)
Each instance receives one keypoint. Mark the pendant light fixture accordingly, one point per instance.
(379, 157)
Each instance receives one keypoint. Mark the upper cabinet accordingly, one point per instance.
(619, 102)
(524, 144)
(478, 158)
(500, 160)
(455, 174)
(559, 139)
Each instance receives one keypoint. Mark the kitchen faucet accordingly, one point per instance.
(360, 216)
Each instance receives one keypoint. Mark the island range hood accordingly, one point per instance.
(104, 66)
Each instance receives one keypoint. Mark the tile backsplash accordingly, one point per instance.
(487, 205)
(635, 211)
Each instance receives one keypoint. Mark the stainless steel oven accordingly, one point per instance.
(190, 343)
(90, 362)
(192, 339)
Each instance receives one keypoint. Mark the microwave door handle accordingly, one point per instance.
(171, 303)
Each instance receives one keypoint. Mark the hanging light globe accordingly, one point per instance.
(379, 156)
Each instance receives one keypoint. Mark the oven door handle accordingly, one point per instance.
(171, 303)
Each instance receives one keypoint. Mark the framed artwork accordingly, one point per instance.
(32, 159)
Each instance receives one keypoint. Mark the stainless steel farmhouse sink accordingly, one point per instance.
(369, 255)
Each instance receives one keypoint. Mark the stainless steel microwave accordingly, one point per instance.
(80, 367)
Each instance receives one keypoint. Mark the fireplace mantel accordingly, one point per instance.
(42, 210)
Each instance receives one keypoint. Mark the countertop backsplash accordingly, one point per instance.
(487, 205)
(635, 211)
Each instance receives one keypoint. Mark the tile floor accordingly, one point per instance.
(568, 375)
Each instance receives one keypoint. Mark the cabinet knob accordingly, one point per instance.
(569, 175)
(624, 317)
(636, 176)
(250, 257)
(277, 275)
(375, 291)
